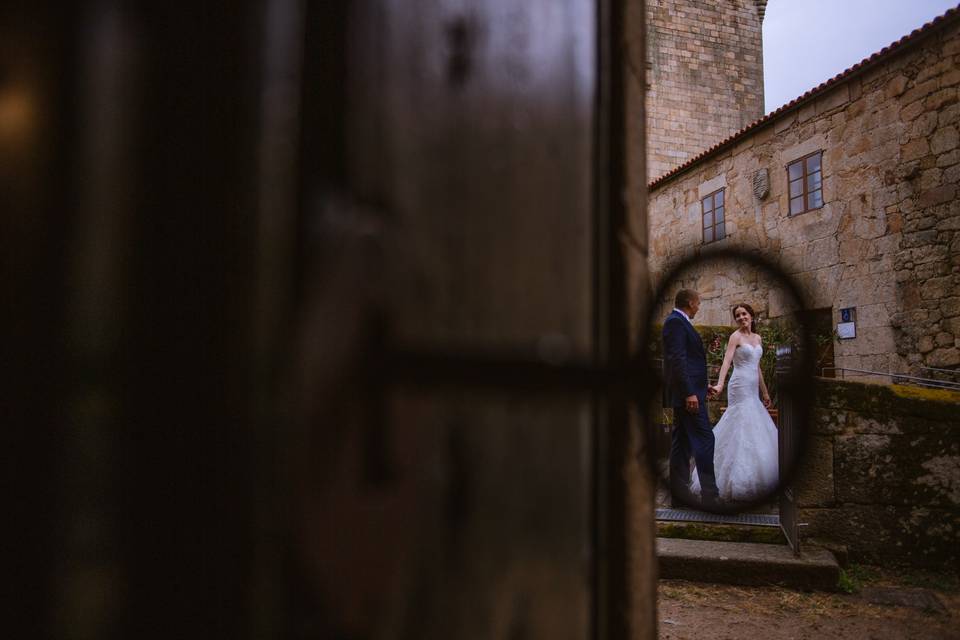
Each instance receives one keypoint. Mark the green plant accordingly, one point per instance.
(772, 333)
(715, 339)
(855, 576)
(847, 583)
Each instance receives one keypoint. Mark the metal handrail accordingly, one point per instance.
(955, 372)
(927, 382)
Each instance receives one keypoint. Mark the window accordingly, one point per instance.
(713, 220)
(806, 183)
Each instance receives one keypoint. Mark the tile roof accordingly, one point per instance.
(880, 56)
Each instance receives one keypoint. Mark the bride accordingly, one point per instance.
(746, 452)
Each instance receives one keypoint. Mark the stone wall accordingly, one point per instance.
(883, 474)
(705, 75)
(887, 239)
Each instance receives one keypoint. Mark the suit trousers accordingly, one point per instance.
(692, 434)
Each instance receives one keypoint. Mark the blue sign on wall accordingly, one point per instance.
(847, 327)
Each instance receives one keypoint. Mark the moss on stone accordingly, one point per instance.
(922, 393)
(888, 534)
(888, 400)
(720, 532)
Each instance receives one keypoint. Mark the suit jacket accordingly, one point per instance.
(684, 362)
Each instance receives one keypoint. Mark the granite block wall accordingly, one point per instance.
(705, 75)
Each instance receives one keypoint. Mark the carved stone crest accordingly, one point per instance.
(761, 184)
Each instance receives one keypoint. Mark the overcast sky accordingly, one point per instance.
(808, 41)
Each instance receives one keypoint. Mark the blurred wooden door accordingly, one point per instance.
(470, 131)
(251, 187)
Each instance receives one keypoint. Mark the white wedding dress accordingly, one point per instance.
(745, 457)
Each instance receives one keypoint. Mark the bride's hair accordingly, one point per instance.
(753, 316)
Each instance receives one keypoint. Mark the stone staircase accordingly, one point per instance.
(742, 549)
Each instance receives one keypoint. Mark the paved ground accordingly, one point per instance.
(689, 610)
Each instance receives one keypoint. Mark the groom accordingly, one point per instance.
(685, 377)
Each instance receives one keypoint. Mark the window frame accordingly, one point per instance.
(804, 176)
(712, 197)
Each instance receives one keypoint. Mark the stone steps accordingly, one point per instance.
(747, 563)
(762, 525)
(720, 532)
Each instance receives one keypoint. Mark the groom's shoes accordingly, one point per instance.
(710, 503)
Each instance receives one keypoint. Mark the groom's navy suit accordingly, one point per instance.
(685, 374)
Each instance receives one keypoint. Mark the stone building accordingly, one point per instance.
(705, 75)
(872, 163)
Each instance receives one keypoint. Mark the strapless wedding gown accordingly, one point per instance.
(745, 458)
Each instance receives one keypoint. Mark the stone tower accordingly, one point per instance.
(705, 75)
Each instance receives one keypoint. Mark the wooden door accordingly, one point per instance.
(257, 198)
(469, 141)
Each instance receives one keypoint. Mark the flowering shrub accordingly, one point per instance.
(715, 339)
(772, 333)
